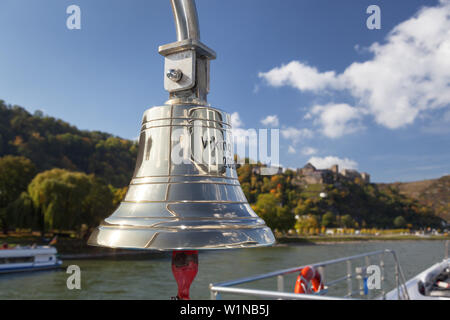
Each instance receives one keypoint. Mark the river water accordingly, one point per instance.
(148, 277)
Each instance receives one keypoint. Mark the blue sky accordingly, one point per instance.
(375, 100)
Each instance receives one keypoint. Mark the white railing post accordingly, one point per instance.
(447, 244)
(383, 291)
(349, 278)
(280, 283)
(322, 275)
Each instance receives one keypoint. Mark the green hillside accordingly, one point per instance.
(52, 143)
(432, 193)
(348, 204)
(55, 176)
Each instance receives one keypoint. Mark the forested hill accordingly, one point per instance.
(433, 193)
(53, 143)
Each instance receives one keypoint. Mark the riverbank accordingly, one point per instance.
(71, 248)
(346, 239)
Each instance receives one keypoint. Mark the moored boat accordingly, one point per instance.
(32, 258)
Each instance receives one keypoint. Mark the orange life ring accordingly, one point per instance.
(308, 281)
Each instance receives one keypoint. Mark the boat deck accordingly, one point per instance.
(433, 283)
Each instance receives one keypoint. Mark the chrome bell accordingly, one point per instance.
(184, 201)
(185, 193)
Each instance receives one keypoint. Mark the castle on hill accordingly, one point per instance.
(311, 175)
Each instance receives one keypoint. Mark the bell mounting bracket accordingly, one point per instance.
(186, 67)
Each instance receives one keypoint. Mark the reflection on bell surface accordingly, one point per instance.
(185, 193)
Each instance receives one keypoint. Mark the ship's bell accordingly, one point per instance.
(185, 193)
(184, 201)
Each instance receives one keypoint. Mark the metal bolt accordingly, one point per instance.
(175, 75)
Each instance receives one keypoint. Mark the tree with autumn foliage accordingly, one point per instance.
(270, 210)
(66, 200)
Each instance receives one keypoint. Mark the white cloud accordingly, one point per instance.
(236, 120)
(327, 162)
(271, 121)
(337, 120)
(296, 135)
(309, 151)
(408, 75)
(300, 76)
(292, 150)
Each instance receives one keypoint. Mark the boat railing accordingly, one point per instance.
(447, 247)
(354, 272)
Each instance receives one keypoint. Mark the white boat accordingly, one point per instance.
(431, 284)
(24, 259)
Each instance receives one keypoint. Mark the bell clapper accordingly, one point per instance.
(184, 269)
